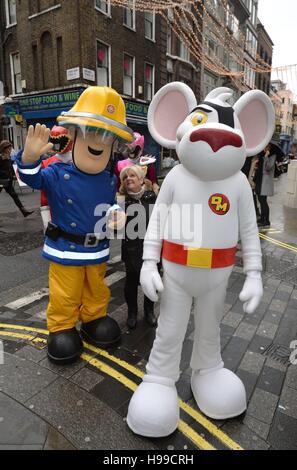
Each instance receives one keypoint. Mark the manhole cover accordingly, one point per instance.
(278, 352)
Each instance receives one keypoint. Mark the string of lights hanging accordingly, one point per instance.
(184, 18)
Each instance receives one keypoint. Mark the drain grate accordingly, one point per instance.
(278, 353)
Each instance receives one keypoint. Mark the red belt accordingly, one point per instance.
(198, 257)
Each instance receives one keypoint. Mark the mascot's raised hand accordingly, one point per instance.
(36, 143)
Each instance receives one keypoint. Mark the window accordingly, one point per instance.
(129, 15)
(60, 60)
(251, 43)
(184, 51)
(10, 7)
(216, 8)
(103, 6)
(149, 23)
(15, 62)
(149, 79)
(213, 49)
(48, 62)
(249, 75)
(169, 40)
(128, 68)
(103, 64)
(254, 13)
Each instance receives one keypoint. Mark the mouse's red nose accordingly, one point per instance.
(216, 138)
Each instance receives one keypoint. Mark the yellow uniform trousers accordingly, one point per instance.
(76, 293)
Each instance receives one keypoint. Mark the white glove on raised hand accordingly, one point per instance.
(252, 291)
(150, 280)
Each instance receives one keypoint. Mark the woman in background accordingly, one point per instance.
(264, 182)
(7, 175)
(136, 193)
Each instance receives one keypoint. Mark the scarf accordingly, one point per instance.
(138, 195)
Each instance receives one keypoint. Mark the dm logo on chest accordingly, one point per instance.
(219, 204)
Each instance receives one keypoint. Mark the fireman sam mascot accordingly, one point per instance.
(136, 157)
(81, 196)
(202, 206)
(62, 144)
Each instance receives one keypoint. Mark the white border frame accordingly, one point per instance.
(109, 62)
(134, 17)
(8, 24)
(153, 82)
(14, 92)
(133, 74)
(108, 13)
(153, 39)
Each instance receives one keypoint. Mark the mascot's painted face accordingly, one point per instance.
(210, 142)
(92, 150)
(212, 139)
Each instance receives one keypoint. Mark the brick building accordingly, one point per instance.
(53, 49)
(265, 51)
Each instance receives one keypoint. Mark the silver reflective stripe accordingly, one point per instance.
(78, 256)
(29, 171)
(99, 117)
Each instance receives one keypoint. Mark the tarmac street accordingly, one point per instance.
(83, 406)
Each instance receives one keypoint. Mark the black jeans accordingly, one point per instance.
(10, 190)
(264, 208)
(131, 290)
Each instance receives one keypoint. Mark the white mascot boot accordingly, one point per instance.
(153, 410)
(218, 392)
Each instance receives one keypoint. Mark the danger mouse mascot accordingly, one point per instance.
(212, 140)
(76, 243)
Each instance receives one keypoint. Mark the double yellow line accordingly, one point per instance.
(278, 243)
(183, 427)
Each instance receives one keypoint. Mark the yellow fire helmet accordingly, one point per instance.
(99, 108)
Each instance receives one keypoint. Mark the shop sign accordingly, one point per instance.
(89, 75)
(11, 109)
(136, 109)
(73, 74)
(64, 100)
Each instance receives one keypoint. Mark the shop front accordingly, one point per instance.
(31, 109)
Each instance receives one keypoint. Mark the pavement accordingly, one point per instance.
(84, 406)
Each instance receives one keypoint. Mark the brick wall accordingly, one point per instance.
(65, 37)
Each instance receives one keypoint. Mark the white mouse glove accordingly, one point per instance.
(252, 291)
(150, 280)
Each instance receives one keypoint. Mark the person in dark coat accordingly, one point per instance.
(264, 182)
(138, 200)
(7, 175)
(249, 169)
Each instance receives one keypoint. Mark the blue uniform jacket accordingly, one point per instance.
(78, 203)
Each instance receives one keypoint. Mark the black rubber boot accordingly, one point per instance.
(132, 320)
(19, 204)
(26, 213)
(101, 332)
(149, 314)
(64, 347)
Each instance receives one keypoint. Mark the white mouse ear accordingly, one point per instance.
(169, 108)
(256, 115)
